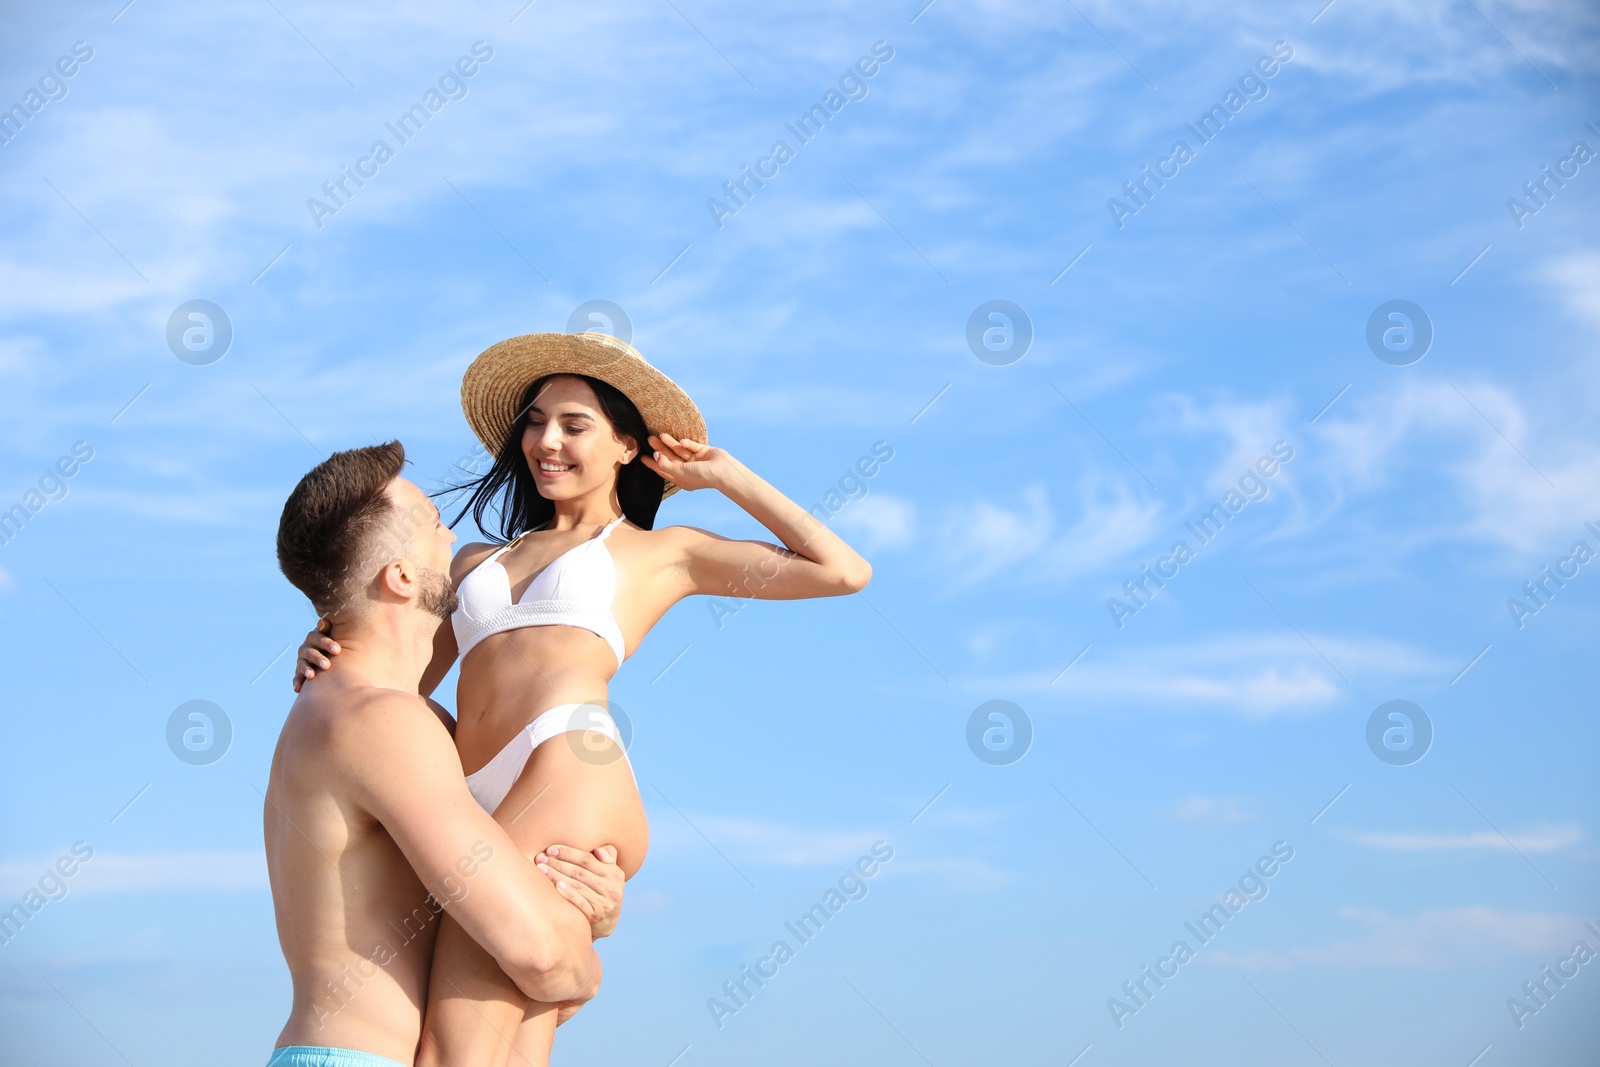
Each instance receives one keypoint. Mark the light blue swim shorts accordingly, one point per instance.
(317, 1056)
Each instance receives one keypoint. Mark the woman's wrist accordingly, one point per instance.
(735, 480)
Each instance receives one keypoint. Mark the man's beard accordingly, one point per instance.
(438, 598)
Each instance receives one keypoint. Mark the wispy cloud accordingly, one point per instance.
(1543, 839)
(885, 521)
(121, 872)
(1211, 811)
(1434, 43)
(787, 846)
(1497, 462)
(1577, 280)
(964, 875)
(784, 845)
(984, 539)
(1255, 691)
(1252, 674)
(1243, 429)
(1431, 939)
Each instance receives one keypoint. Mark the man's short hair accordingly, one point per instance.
(330, 522)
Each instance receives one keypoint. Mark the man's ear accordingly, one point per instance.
(399, 578)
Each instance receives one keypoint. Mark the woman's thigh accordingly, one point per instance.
(576, 790)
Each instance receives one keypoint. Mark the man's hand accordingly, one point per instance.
(314, 654)
(591, 881)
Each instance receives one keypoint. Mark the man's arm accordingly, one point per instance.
(405, 772)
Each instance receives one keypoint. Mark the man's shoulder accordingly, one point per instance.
(375, 710)
(357, 725)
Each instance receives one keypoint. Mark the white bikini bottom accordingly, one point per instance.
(490, 783)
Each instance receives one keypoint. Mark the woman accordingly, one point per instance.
(588, 439)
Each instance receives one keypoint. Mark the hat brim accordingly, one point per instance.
(494, 383)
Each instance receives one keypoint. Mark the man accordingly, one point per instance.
(370, 829)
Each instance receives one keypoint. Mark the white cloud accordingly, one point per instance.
(983, 539)
(1113, 522)
(1252, 674)
(1480, 436)
(1252, 692)
(984, 639)
(120, 872)
(946, 812)
(795, 402)
(1432, 939)
(756, 841)
(210, 507)
(21, 354)
(885, 521)
(787, 846)
(1495, 460)
(1577, 276)
(968, 874)
(649, 901)
(1211, 811)
(1249, 427)
(1374, 48)
(1543, 839)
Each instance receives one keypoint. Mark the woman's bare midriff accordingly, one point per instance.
(506, 682)
(511, 677)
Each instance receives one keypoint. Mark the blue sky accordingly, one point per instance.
(830, 313)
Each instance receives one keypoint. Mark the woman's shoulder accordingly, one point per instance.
(666, 535)
(680, 546)
(661, 541)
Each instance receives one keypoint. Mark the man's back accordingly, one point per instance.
(355, 922)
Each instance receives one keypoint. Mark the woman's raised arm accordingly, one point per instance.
(816, 563)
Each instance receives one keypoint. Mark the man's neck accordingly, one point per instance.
(389, 647)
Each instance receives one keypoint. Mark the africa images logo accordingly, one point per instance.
(852, 885)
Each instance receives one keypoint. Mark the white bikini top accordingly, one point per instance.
(574, 589)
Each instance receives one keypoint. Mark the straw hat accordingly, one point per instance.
(494, 383)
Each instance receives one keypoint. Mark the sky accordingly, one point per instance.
(1341, 348)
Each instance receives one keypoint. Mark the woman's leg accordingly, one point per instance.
(576, 789)
(535, 1036)
(474, 1010)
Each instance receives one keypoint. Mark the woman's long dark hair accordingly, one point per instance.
(508, 488)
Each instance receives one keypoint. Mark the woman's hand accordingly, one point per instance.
(688, 464)
(314, 654)
(591, 881)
